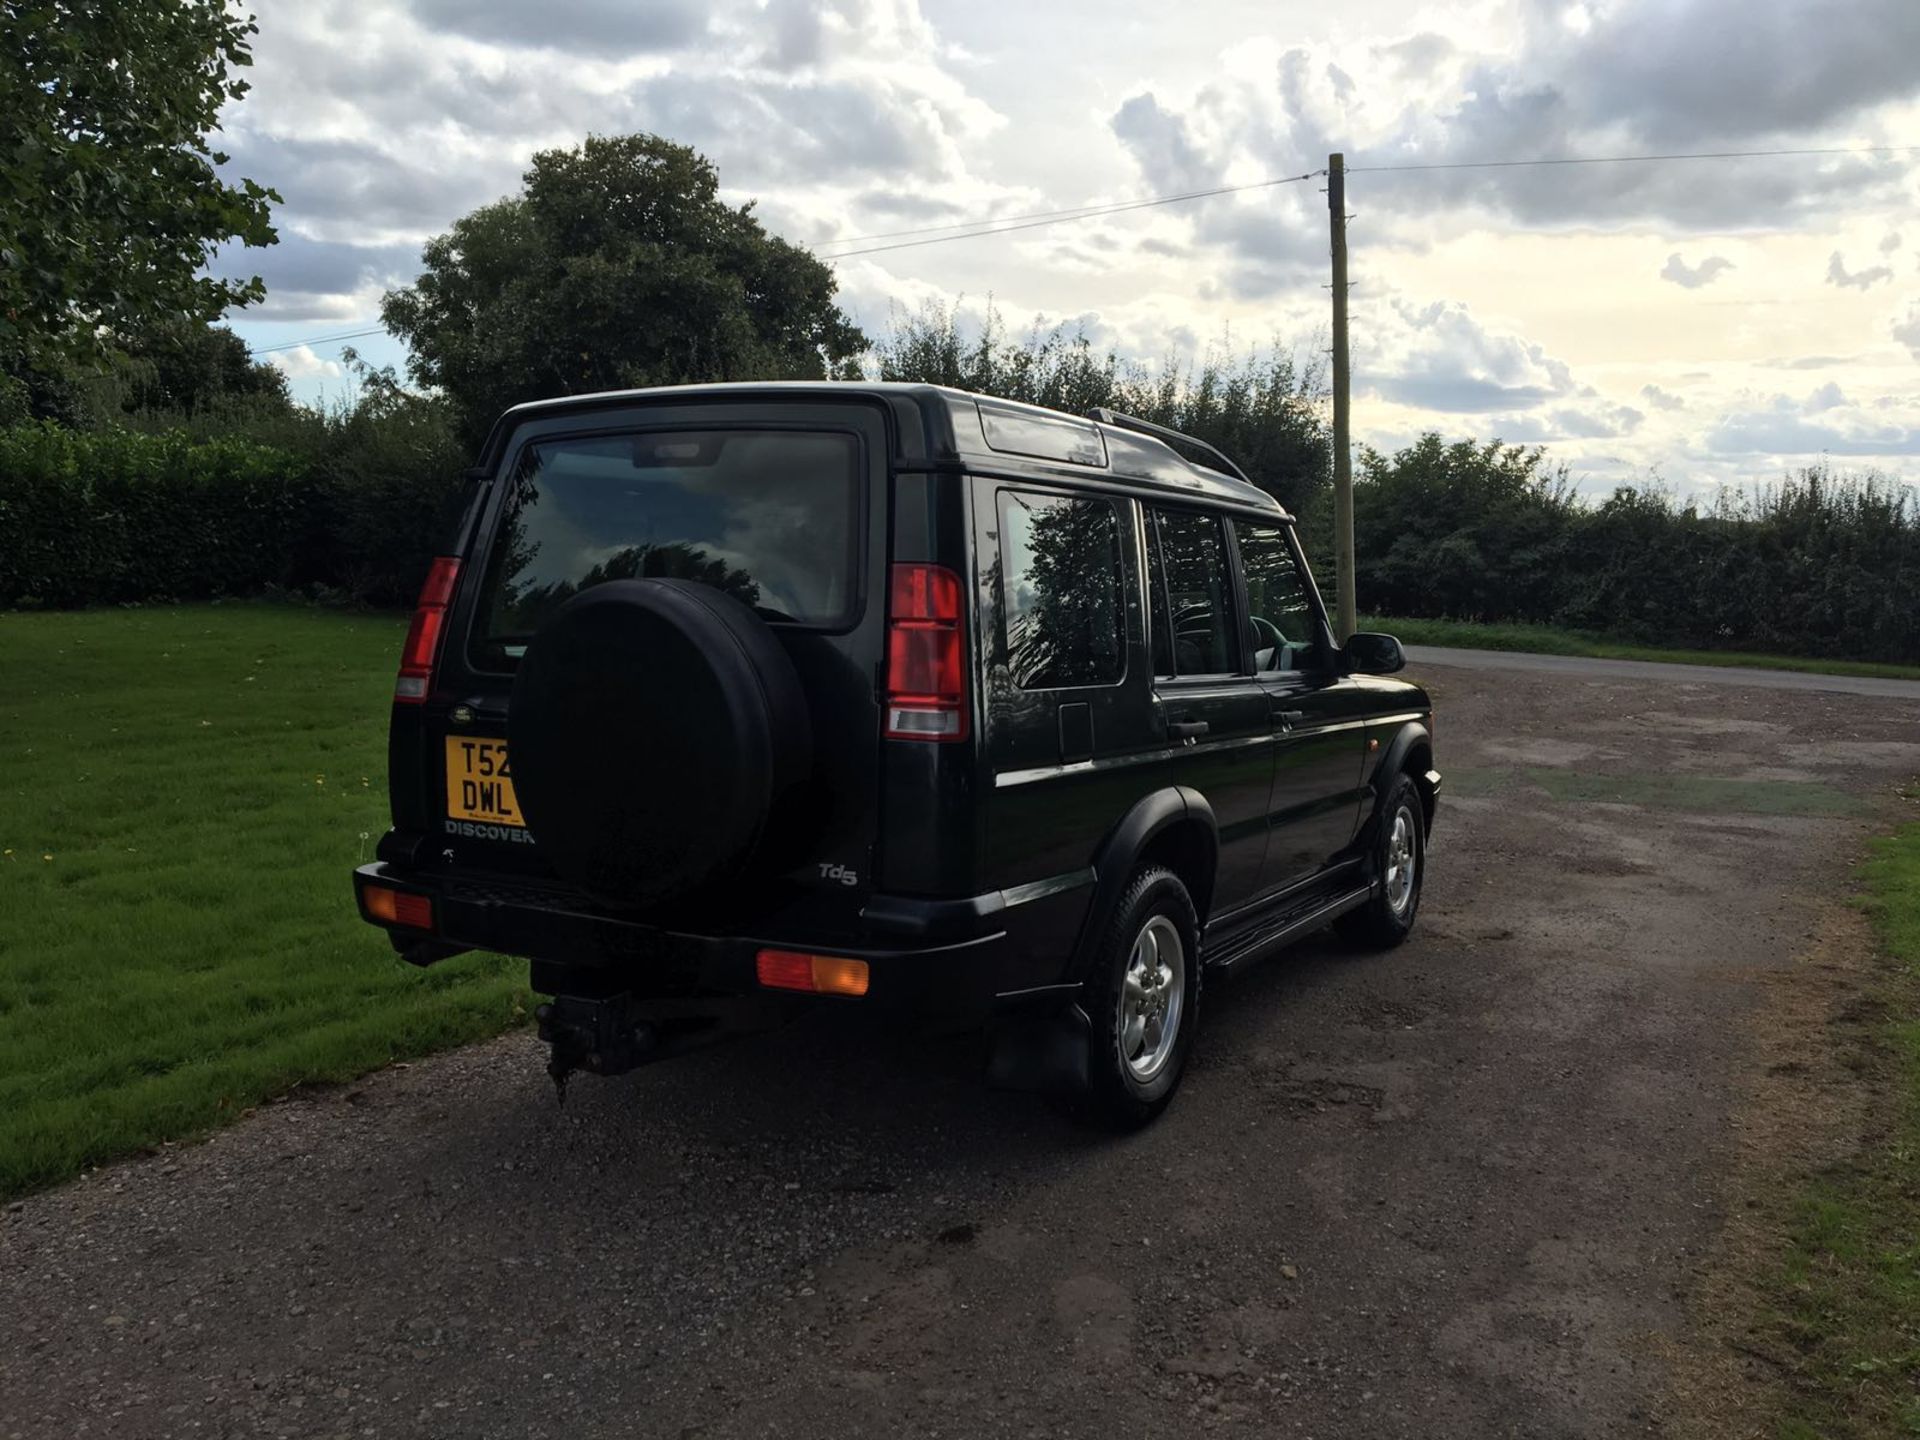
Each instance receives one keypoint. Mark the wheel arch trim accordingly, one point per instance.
(1413, 738)
(1175, 810)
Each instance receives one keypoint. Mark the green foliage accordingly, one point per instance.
(1263, 411)
(194, 370)
(123, 516)
(230, 501)
(1846, 1303)
(617, 266)
(110, 202)
(1476, 531)
(1822, 566)
(187, 789)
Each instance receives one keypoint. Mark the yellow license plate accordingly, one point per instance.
(479, 782)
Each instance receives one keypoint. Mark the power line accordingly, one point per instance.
(966, 230)
(1062, 216)
(317, 340)
(1632, 159)
(1072, 213)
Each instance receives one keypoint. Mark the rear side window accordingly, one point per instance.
(1060, 579)
(1194, 609)
(770, 517)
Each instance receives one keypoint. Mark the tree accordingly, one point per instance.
(618, 265)
(1262, 410)
(110, 199)
(194, 369)
(1468, 530)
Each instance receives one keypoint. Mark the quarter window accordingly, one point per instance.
(1061, 586)
(1283, 628)
(1195, 610)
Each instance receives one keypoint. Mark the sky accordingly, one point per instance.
(1692, 324)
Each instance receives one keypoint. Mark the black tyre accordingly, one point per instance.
(656, 727)
(1398, 868)
(1143, 998)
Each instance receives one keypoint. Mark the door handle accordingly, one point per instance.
(1289, 718)
(1187, 729)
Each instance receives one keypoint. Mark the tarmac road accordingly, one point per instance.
(1455, 1190)
(1660, 672)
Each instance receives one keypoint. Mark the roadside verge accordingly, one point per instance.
(1806, 1315)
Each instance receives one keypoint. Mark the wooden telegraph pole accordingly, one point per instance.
(1347, 619)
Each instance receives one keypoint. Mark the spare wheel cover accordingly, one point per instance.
(654, 726)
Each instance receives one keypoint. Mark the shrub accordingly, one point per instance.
(349, 503)
(115, 515)
(1819, 565)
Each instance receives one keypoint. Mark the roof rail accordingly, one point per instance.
(1169, 434)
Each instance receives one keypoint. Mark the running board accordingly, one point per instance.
(1242, 950)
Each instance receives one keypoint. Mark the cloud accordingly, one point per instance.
(1163, 147)
(1808, 362)
(1662, 399)
(1890, 242)
(1604, 420)
(593, 27)
(1837, 274)
(381, 122)
(301, 363)
(1907, 331)
(1440, 357)
(1827, 397)
(309, 279)
(1779, 432)
(1577, 79)
(1692, 277)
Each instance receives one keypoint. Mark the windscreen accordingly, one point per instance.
(768, 516)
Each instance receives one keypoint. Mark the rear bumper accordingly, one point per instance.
(955, 959)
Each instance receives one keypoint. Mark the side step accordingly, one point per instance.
(1239, 952)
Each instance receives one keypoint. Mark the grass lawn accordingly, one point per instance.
(182, 794)
(1849, 1293)
(1547, 640)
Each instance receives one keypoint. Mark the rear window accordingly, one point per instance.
(768, 516)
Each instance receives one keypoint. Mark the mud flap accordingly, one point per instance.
(1044, 1052)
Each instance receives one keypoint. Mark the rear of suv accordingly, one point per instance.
(726, 701)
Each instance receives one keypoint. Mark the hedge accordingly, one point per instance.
(1818, 565)
(350, 503)
(91, 517)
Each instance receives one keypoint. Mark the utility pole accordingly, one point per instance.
(1347, 619)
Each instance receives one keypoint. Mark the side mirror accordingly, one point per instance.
(1366, 653)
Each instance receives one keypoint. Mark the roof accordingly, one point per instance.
(937, 423)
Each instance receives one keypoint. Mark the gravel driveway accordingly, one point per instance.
(1456, 1190)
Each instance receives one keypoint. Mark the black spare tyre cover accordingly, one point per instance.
(655, 725)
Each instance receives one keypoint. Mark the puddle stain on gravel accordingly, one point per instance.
(1303, 1093)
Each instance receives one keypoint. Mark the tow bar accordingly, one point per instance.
(598, 1034)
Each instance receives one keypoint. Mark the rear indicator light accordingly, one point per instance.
(926, 655)
(423, 636)
(814, 974)
(396, 907)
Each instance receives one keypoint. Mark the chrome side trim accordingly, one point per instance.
(1040, 889)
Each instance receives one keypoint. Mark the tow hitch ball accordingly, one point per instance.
(601, 1035)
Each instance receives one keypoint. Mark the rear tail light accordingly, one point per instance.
(814, 974)
(926, 655)
(397, 907)
(423, 636)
